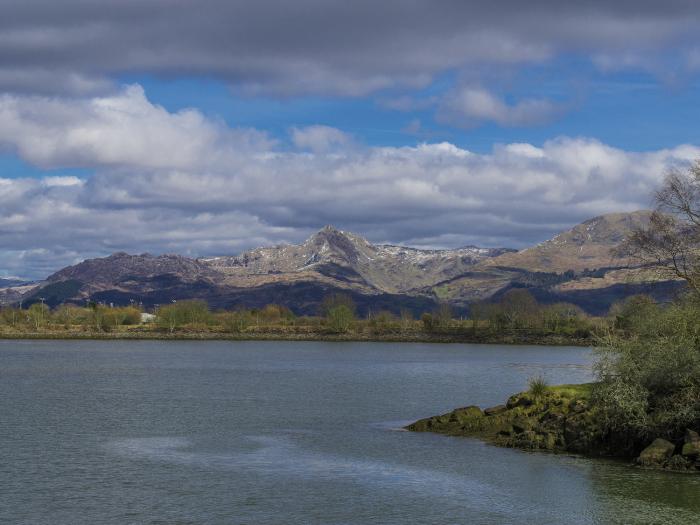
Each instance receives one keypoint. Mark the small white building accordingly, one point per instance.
(147, 318)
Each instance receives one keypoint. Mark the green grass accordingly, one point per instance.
(570, 391)
(538, 386)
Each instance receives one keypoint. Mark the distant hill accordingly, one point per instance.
(576, 266)
(7, 282)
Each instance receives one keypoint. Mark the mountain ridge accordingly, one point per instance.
(576, 262)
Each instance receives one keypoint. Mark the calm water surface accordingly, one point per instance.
(281, 432)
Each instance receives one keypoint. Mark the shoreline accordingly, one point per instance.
(417, 337)
(562, 420)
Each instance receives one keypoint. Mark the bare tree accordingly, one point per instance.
(671, 241)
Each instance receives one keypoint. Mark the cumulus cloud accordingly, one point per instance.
(307, 46)
(181, 182)
(469, 106)
(118, 130)
(320, 138)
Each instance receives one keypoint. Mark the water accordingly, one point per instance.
(281, 432)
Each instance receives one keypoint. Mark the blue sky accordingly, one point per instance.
(632, 111)
(629, 110)
(213, 127)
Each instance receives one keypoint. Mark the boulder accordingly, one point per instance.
(691, 444)
(519, 400)
(498, 409)
(656, 454)
(461, 415)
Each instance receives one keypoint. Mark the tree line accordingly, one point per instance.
(517, 310)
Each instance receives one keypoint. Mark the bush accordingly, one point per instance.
(633, 313)
(649, 380)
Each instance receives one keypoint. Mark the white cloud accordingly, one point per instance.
(50, 182)
(116, 130)
(469, 106)
(319, 138)
(180, 182)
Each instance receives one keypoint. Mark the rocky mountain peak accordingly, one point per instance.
(333, 245)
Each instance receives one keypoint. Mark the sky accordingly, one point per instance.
(210, 127)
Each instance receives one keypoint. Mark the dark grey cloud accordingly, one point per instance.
(321, 46)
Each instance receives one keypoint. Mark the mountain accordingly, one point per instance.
(576, 262)
(588, 245)
(575, 266)
(346, 257)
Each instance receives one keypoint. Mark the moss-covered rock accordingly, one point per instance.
(548, 422)
(657, 454)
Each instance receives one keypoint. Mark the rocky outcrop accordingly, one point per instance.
(561, 419)
(558, 420)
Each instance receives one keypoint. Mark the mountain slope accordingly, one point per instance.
(588, 245)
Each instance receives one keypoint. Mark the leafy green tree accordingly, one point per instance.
(100, 319)
(649, 379)
(178, 314)
(560, 316)
(38, 314)
(634, 312)
(66, 314)
(339, 312)
(340, 318)
(11, 316)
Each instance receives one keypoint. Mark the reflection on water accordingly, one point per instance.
(281, 458)
(154, 432)
(643, 496)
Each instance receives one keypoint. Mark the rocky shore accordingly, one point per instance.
(560, 419)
